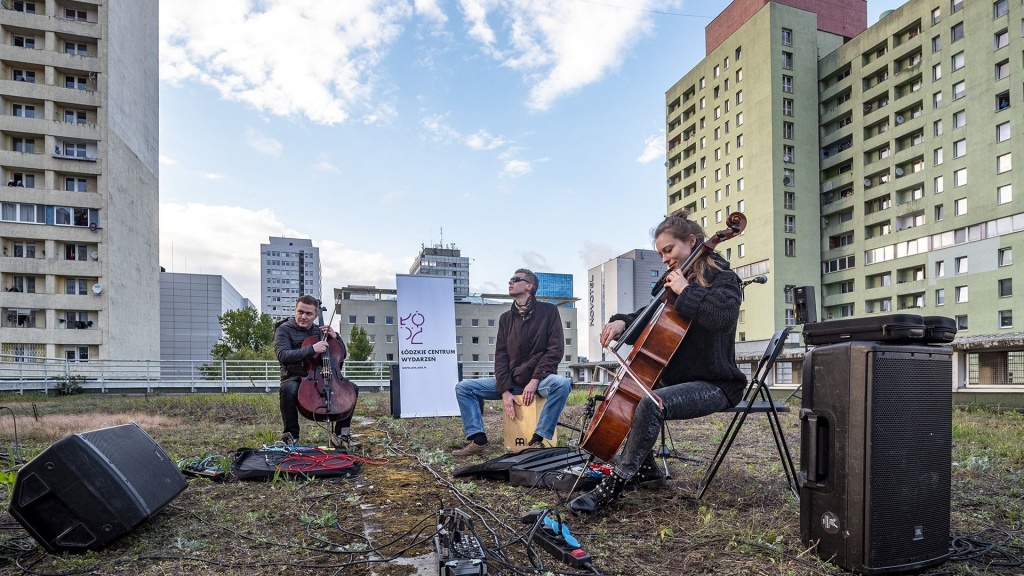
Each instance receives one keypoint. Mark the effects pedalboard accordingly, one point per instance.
(554, 536)
(459, 552)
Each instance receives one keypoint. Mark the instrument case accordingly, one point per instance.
(886, 328)
(939, 330)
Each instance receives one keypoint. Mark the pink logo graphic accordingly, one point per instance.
(413, 325)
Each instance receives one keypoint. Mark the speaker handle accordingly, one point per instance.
(815, 474)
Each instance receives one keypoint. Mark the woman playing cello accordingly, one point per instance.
(701, 377)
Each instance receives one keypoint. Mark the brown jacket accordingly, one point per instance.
(527, 349)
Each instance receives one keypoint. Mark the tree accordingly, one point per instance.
(247, 334)
(359, 346)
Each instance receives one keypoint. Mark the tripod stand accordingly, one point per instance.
(664, 453)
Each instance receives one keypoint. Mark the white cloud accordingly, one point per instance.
(265, 144)
(226, 240)
(553, 43)
(482, 140)
(213, 176)
(167, 161)
(535, 261)
(430, 10)
(326, 166)
(441, 132)
(516, 168)
(285, 57)
(654, 149)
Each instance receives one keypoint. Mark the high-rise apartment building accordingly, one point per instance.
(289, 268)
(79, 147)
(444, 261)
(862, 141)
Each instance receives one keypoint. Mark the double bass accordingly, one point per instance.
(661, 331)
(325, 395)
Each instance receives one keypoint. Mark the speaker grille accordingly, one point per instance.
(144, 465)
(910, 444)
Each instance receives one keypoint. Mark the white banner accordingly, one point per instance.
(427, 362)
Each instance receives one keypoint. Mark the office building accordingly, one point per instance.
(554, 286)
(476, 322)
(189, 308)
(439, 260)
(79, 147)
(621, 285)
(289, 268)
(861, 139)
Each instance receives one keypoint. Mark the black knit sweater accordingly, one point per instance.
(708, 351)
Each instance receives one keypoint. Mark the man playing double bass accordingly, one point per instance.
(288, 339)
(701, 377)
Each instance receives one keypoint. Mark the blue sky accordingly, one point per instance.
(531, 132)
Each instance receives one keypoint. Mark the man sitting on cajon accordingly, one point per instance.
(528, 349)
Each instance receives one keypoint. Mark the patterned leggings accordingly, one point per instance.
(681, 402)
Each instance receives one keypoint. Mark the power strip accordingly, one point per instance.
(554, 536)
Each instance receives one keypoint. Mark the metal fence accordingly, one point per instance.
(21, 374)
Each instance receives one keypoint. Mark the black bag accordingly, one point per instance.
(885, 328)
(555, 468)
(293, 462)
(939, 329)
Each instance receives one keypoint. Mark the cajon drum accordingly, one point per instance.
(519, 431)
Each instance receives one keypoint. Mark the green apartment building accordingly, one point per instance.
(874, 164)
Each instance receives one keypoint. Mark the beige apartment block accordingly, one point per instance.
(79, 145)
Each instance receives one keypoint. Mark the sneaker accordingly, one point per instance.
(537, 444)
(288, 439)
(471, 449)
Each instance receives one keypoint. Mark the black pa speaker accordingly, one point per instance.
(89, 489)
(875, 457)
(806, 307)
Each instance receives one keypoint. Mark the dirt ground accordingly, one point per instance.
(383, 520)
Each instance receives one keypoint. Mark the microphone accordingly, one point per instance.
(762, 279)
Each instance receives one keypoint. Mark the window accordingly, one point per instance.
(718, 112)
(999, 8)
(26, 7)
(739, 75)
(960, 177)
(787, 84)
(26, 145)
(475, 322)
(936, 43)
(739, 185)
(959, 119)
(389, 320)
(1002, 69)
(936, 72)
(75, 82)
(24, 75)
(1003, 132)
(739, 96)
(24, 180)
(77, 286)
(787, 130)
(940, 297)
(940, 269)
(1001, 38)
(787, 107)
(739, 166)
(958, 60)
(788, 200)
(1005, 256)
(1004, 194)
(490, 322)
(961, 294)
(961, 265)
(1002, 101)
(959, 90)
(939, 213)
(739, 119)
(939, 185)
(787, 37)
(79, 15)
(937, 156)
(1003, 163)
(718, 215)
(28, 213)
(961, 322)
(371, 319)
(789, 223)
(787, 60)
(960, 148)
(351, 318)
(788, 176)
(956, 32)
(937, 99)
(739, 141)
(791, 247)
(74, 116)
(936, 16)
(1005, 288)
(1006, 319)
(937, 127)
(76, 49)
(960, 206)
(23, 110)
(717, 70)
(75, 185)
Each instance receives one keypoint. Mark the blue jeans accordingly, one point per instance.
(472, 393)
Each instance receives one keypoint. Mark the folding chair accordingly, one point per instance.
(757, 398)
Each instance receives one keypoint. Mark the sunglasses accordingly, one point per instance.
(515, 279)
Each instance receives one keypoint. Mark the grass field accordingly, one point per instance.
(383, 520)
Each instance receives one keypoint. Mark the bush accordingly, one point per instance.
(69, 385)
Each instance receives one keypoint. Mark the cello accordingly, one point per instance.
(661, 330)
(325, 395)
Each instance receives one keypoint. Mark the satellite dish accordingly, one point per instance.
(900, 119)
(899, 171)
(867, 182)
(92, 226)
(95, 255)
(97, 288)
(787, 180)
